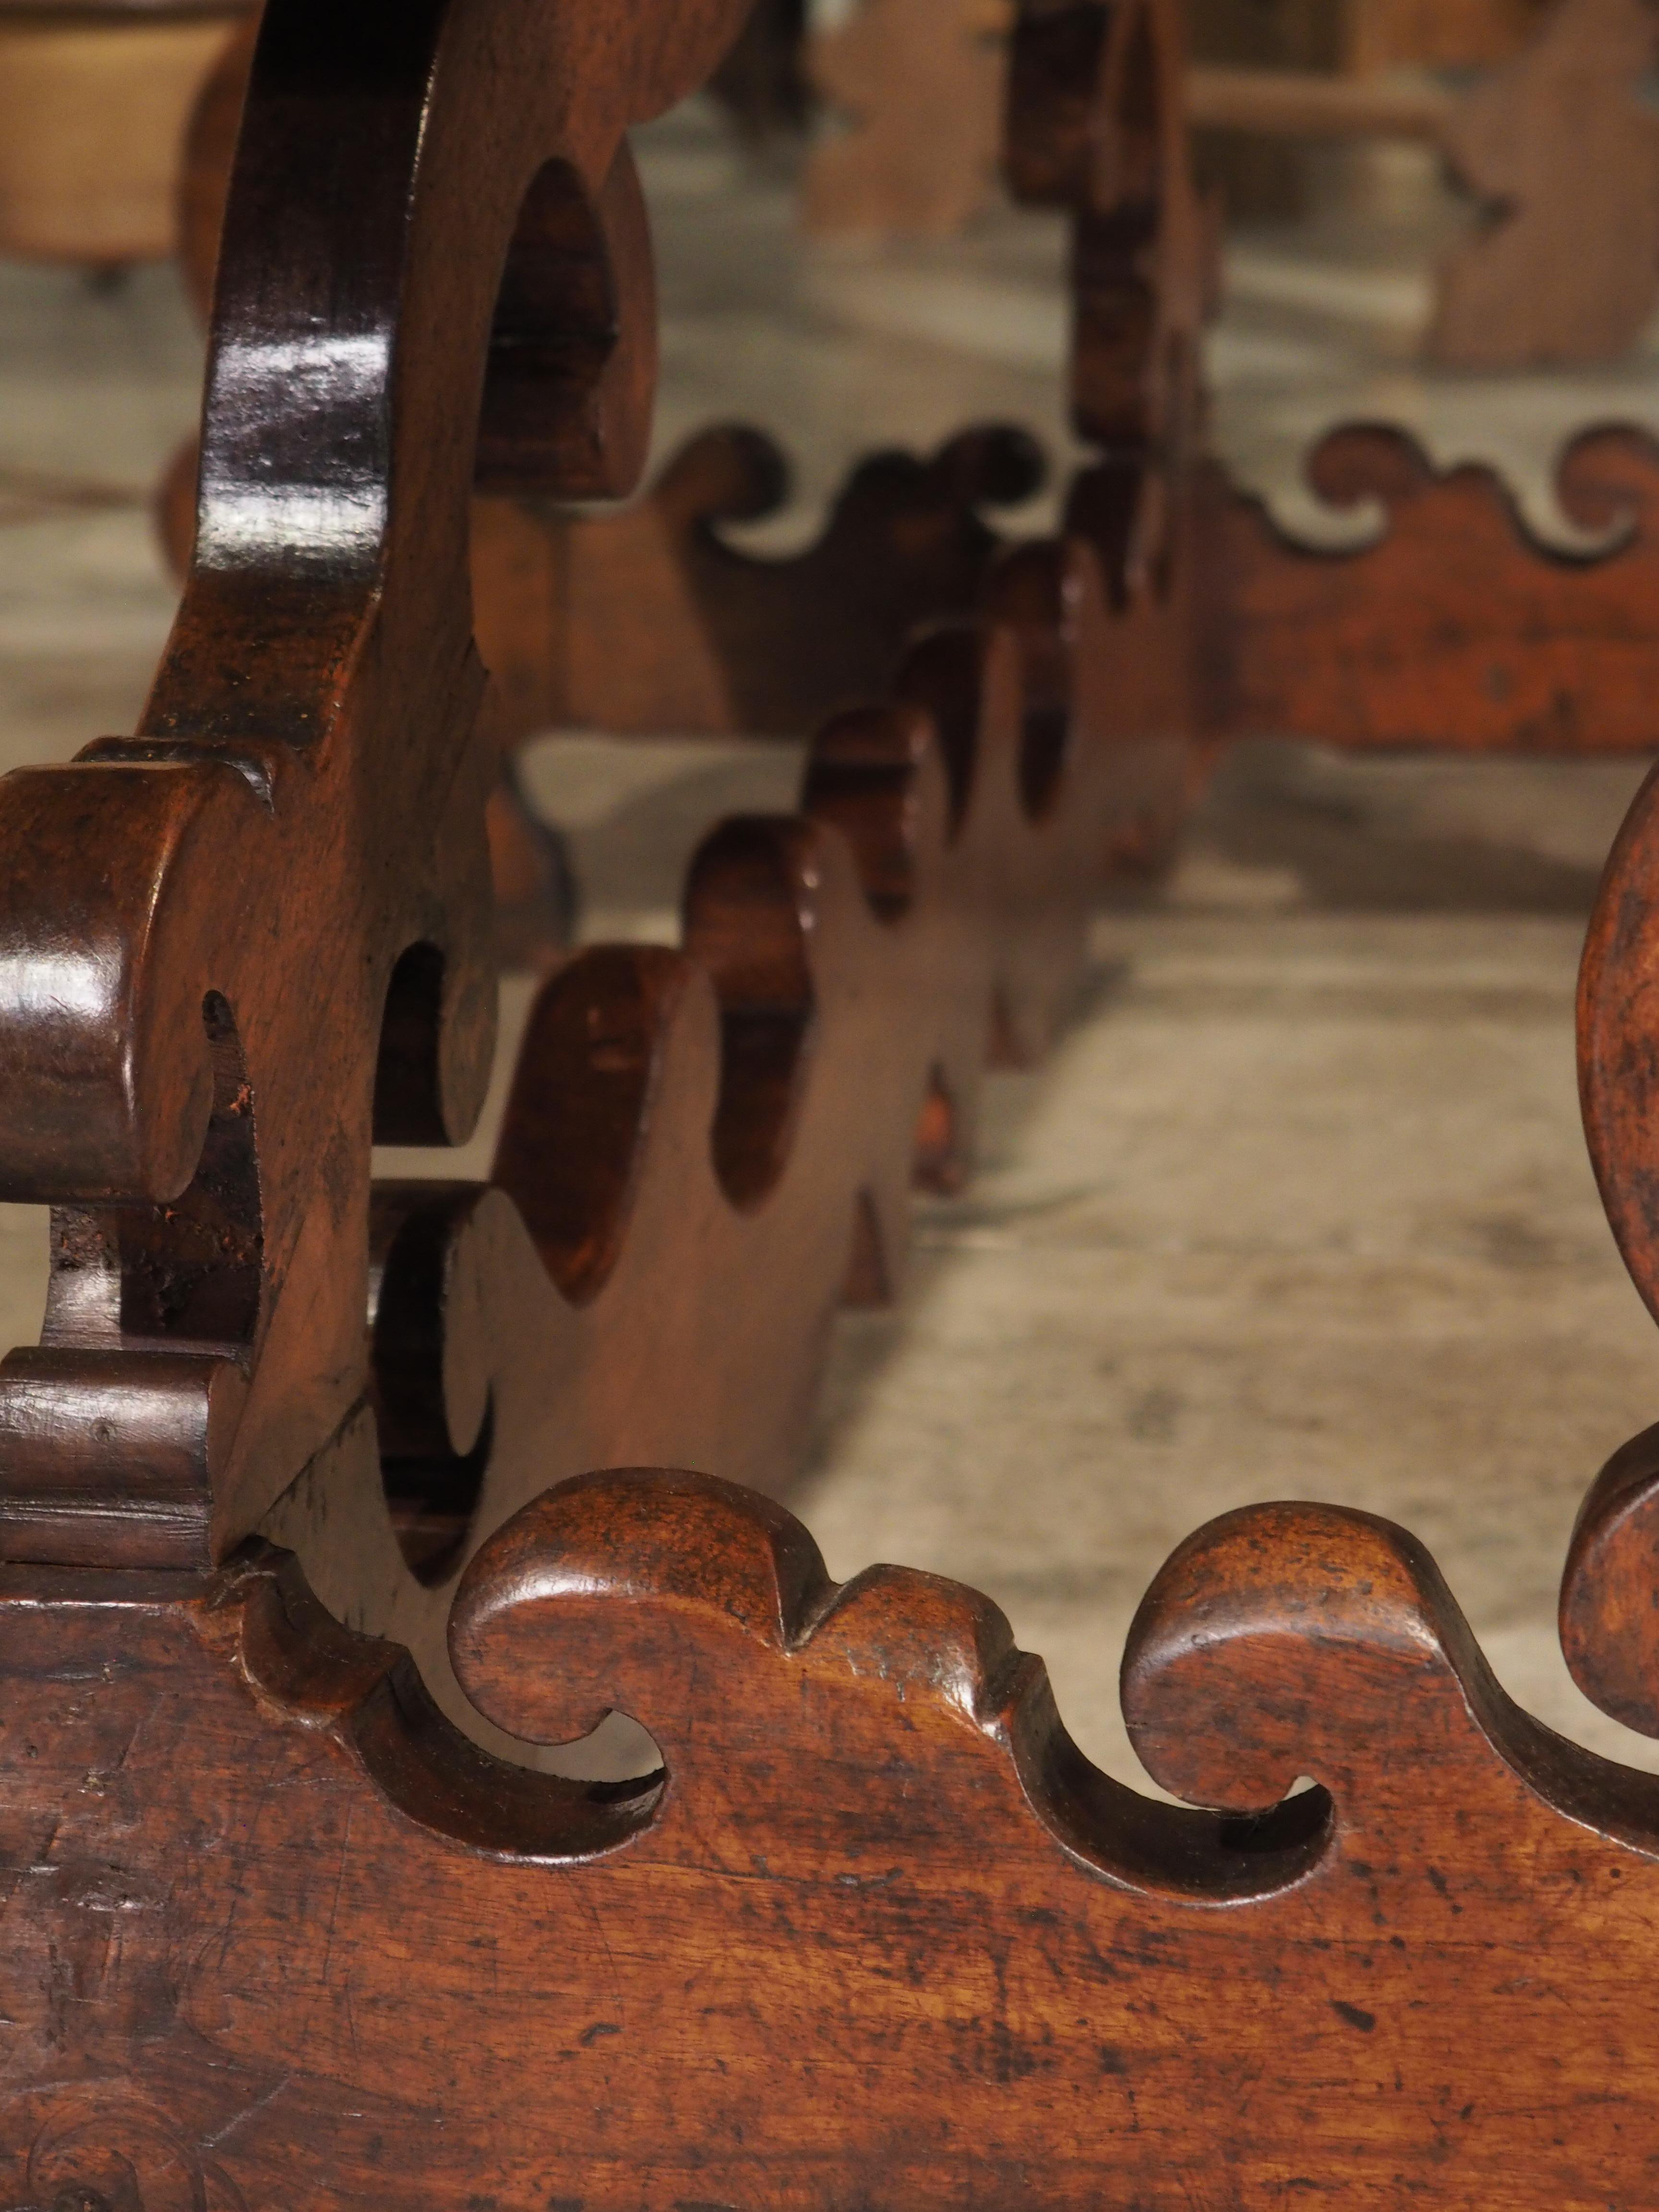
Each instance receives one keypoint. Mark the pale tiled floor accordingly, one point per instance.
(1301, 1208)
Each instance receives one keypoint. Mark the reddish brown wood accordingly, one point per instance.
(1456, 627)
(1607, 1592)
(1562, 150)
(317, 748)
(875, 1931)
(291, 858)
(762, 1100)
(722, 640)
(296, 1609)
(1510, 644)
(918, 86)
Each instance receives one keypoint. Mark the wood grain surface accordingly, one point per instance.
(282, 946)
(1455, 627)
(874, 1931)
(306, 1584)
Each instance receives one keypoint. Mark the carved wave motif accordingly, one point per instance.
(876, 1926)
(754, 1108)
(1455, 626)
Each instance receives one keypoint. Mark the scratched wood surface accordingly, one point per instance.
(295, 1913)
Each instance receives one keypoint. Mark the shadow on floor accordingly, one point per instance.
(1404, 833)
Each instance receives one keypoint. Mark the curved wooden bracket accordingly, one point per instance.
(1455, 627)
(872, 1864)
(649, 620)
(294, 1917)
(309, 774)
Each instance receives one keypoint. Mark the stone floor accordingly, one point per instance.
(1301, 1208)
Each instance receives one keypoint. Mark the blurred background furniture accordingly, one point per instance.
(1539, 112)
(95, 96)
(916, 86)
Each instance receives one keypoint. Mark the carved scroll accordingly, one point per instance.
(291, 859)
(294, 1917)
(1456, 627)
(647, 620)
(876, 1930)
(746, 1115)
(288, 949)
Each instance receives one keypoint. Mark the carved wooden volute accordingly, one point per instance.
(234, 946)
(332, 1510)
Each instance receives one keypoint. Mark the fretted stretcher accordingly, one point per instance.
(307, 1568)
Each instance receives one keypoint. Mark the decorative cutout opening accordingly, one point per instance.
(439, 1777)
(744, 927)
(408, 1099)
(558, 1813)
(432, 1499)
(620, 1761)
(1296, 1826)
(572, 360)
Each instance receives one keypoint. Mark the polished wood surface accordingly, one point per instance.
(1561, 147)
(765, 1097)
(872, 1929)
(198, 1108)
(195, 1091)
(305, 1903)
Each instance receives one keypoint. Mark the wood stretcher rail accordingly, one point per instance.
(331, 1508)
